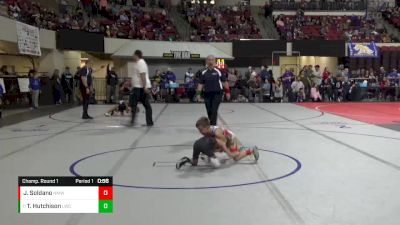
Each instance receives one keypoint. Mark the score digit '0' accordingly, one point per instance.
(103, 180)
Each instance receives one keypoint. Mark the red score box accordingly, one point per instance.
(105, 192)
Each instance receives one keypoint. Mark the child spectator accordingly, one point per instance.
(155, 91)
(278, 91)
(326, 89)
(298, 90)
(315, 95)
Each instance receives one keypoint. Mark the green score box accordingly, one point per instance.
(105, 206)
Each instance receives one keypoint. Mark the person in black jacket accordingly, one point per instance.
(67, 83)
(212, 81)
(112, 82)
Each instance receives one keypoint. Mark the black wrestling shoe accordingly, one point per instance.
(182, 162)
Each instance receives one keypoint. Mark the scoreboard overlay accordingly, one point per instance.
(65, 195)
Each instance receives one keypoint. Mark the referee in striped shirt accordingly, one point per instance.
(212, 81)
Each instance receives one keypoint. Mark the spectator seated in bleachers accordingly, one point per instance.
(392, 15)
(223, 23)
(339, 5)
(349, 28)
(112, 19)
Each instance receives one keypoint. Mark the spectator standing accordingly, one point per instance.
(189, 75)
(317, 75)
(326, 89)
(29, 94)
(338, 89)
(171, 79)
(339, 72)
(298, 90)
(242, 86)
(112, 83)
(346, 83)
(326, 74)
(255, 88)
(232, 79)
(308, 72)
(306, 81)
(287, 79)
(346, 74)
(56, 86)
(381, 74)
(267, 89)
(77, 81)
(393, 77)
(34, 87)
(265, 74)
(190, 86)
(67, 83)
(248, 73)
(141, 88)
(315, 94)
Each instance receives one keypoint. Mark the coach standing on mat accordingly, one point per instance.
(141, 88)
(213, 82)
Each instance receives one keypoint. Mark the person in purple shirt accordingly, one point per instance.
(170, 76)
(393, 78)
(34, 87)
(287, 78)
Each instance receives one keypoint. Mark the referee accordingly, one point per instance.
(141, 88)
(213, 82)
(86, 87)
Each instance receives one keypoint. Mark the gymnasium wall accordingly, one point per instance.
(298, 62)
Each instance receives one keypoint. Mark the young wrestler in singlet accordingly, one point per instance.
(226, 140)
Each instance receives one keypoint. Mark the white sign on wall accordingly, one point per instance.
(23, 84)
(28, 39)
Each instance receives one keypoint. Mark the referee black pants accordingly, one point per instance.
(138, 95)
(85, 102)
(212, 101)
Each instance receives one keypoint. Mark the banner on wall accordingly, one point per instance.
(363, 50)
(180, 55)
(28, 39)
